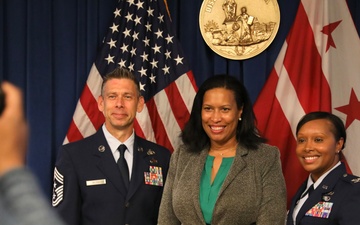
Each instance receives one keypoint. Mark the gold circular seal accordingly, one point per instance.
(239, 29)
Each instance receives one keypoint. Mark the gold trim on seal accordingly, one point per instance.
(239, 29)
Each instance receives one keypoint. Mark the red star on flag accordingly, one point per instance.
(352, 110)
(328, 29)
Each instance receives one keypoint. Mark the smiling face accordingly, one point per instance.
(317, 148)
(220, 116)
(119, 103)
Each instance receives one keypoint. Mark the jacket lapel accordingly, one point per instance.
(235, 170)
(198, 162)
(106, 163)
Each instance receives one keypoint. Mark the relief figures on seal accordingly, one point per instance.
(239, 29)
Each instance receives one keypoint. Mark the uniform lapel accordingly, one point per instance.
(106, 163)
(294, 203)
(309, 203)
(326, 186)
(144, 157)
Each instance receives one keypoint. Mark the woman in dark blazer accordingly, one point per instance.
(224, 173)
(329, 195)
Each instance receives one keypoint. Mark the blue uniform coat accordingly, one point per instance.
(338, 189)
(93, 190)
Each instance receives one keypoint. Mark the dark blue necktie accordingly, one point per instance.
(124, 169)
(309, 191)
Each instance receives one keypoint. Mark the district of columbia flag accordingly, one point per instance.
(318, 68)
(140, 38)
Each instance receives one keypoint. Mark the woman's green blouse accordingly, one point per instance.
(209, 191)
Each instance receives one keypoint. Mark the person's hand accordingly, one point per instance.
(13, 130)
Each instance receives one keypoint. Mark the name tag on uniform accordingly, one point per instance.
(95, 182)
(321, 209)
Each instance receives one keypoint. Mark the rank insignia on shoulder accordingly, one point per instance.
(351, 179)
(154, 176)
(58, 190)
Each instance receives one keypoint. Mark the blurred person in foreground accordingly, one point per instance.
(21, 200)
(112, 177)
(329, 195)
(224, 173)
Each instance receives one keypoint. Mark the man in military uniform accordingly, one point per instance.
(112, 177)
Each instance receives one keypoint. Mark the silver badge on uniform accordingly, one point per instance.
(101, 148)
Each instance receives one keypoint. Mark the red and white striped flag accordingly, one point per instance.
(318, 68)
(141, 39)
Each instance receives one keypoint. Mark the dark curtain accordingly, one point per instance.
(47, 48)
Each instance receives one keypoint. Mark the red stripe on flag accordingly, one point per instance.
(264, 103)
(89, 103)
(192, 80)
(177, 104)
(158, 127)
(306, 72)
(139, 132)
(73, 133)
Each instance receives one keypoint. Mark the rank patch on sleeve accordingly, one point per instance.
(58, 191)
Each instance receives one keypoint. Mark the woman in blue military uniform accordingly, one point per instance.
(329, 195)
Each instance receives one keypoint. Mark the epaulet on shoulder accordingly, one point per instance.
(351, 179)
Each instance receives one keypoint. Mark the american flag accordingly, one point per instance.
(318, 68)
(141, 39)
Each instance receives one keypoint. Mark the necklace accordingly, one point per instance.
(223, 152)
